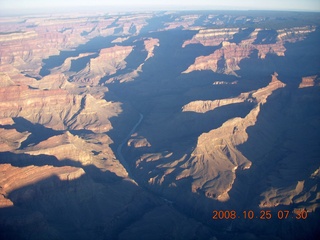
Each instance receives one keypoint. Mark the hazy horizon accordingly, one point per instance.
(9, 7)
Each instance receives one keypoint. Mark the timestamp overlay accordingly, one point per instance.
(300, 214)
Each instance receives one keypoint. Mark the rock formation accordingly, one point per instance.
(57, 109)
(204, 106)
(72, 88)
(309, 82)
(88, 150)
(109, 61)
(227, 58)
(14, 178)
(212, 37)
(150, 45)
(212, 165)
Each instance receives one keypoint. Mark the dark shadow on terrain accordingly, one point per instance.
(38, 132)
(283, 147)
(79, 64)
(161, 86)
(135, 58)
(24, 160)
(243, 34)
(301, 59)
(266, 37)
(93, 45)
(75, 209)
(155, 23)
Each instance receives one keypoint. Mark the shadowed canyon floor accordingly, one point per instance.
(141, 125)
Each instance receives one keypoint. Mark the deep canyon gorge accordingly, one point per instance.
(141, 125)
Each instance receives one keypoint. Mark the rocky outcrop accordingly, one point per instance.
(216, 151)
(185, 22)
(294, 34)
(13, 178)
(138, 141)
(132, 24)
(10, 139)
(227, 58)
(57, 109)
(309, 82)
(5, 80)
(150, 45)
(224, 60)
(212, 37)
(9, 75)
(53, 81)
(205, 106)
(109, 61)
(37, 39)
(87, 150)
(65, 67)
(212, 166)
(224, 83)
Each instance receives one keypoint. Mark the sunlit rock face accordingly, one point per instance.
(136, 125)
(109, 61)
(57, 109)
(227, 58)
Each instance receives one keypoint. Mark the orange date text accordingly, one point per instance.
(300, 214)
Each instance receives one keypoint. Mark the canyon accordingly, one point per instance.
(140, 125)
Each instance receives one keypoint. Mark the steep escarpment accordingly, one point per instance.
(150, 45)
(109, 61)
(226, 59)
(217, 150)
(37, 39)
(211, 167)
(87, 150)
(309, 82)
(13, 178)
(102, 137)
(132, 24)
(57, 109)
(204, 106)
(212, 37)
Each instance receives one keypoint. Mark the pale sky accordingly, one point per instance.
(15, 6)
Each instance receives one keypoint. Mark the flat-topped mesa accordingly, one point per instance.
(57, 109)
(109, 61)
(310, 81)
(150, 45)
(205, 106)
(212, 37)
